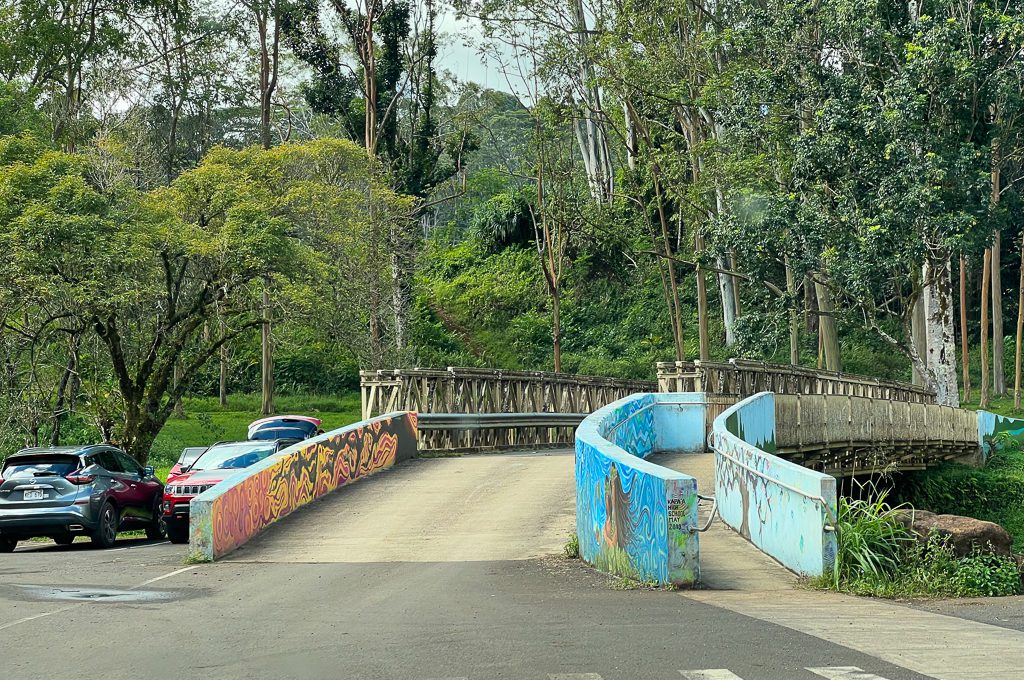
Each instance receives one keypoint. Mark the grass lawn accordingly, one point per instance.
(206, 421)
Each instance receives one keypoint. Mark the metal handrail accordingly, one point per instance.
(818, 499)
(483, 421)
(711, 517)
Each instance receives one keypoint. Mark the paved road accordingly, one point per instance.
(392, 611)
(403, 620)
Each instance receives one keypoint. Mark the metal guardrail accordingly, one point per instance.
(484, 421)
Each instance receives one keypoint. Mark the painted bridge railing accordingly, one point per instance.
(232, 512)
(627, 506)
(635, 518)
(786, 510)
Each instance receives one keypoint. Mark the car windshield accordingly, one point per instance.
(233, 455)
(190, 454)
(280, 433)
(38, 466)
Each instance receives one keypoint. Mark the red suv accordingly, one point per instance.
(266, 436)
(217, 463)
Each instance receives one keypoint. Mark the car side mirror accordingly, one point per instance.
(148, 471)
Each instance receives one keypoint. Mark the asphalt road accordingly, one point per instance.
(403, 620)
(439, 569)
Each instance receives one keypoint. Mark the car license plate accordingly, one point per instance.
(35, 495)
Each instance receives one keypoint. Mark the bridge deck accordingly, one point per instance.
(476, 507)
(727, 561)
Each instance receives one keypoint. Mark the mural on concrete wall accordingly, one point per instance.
(993, 427)
(633, 518)
(757, 495)
(263, 495)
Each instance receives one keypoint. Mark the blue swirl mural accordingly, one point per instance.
(633, 518)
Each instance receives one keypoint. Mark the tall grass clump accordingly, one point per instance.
(871, 541)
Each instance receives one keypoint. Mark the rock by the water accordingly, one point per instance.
(965, 534)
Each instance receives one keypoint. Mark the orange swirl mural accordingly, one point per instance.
(264, 494)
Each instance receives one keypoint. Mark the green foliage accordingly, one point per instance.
(871, 541)
(877, 555)
(994, 493)
(572, 547)
(479, 308)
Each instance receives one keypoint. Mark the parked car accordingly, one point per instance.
(68, 491)
(187, 457)
(278, 428)
(217, 463)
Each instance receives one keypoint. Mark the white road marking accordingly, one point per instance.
(161, 578)
(573, 676)
(710, 674)
(82, 604)
(37, 616)
(844, 673)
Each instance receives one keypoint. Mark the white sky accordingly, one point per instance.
(459, 53)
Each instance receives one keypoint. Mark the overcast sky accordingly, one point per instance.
(460, 55)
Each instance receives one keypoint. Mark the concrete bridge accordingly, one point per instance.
(439, 565)
(771, 477)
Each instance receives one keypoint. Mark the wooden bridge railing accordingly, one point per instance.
(474, 390)
(844, 435)
(743, 378)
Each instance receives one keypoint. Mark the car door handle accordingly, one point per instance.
(134, 485)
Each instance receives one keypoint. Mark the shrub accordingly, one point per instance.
(878, 556)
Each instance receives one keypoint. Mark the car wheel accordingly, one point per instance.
(64, 540)
(7, 545)
(177, 534)
(156, 530)
(105, 533)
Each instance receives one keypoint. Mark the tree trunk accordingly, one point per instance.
(556, 327)
(631, 138)
(60, 409)
(267, 363)
(140, 431)
(670, 263)
(661, 262)
(827, 328)
(400, 286)
(179, 408)
(998, 351)
(919, 337)
(735, 285)
(985, 275)
(940, 342)
(269, 52)
(222, 389)
(965, 352)
(728, 294)
(702, 305)
(1020, 332)
(794, 316)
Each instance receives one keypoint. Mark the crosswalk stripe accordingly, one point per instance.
(844, 673)
(710, 674)
(573, 676)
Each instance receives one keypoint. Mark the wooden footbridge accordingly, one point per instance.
(837, 423)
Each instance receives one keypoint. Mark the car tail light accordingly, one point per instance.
(79, 478)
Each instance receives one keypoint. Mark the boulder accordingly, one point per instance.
(964, 533)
